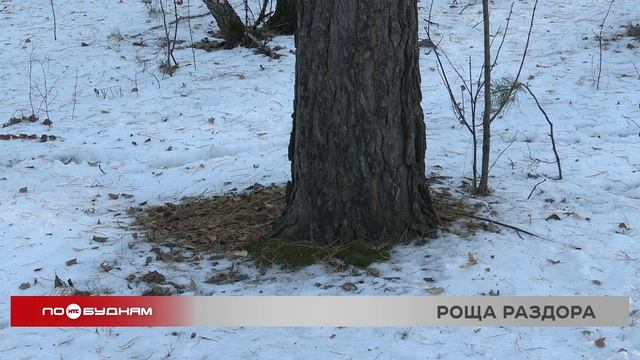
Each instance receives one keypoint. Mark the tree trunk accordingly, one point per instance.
(285, 18)
(231, 27)
(483, 188)
(358, 143)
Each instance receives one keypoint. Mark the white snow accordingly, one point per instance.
(249, 96)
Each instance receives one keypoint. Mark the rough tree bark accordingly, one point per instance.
(231, 27)
(358, 143)
(285, 18)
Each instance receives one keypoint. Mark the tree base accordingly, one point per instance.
(297, 226)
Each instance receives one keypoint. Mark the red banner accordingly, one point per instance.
(107, 311)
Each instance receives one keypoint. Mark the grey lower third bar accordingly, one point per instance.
(410, 311)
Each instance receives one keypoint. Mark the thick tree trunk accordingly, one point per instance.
(358, 143)
(231, 27)
(285, 18)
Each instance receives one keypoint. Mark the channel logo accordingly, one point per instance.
(108, 311)
(74, 311)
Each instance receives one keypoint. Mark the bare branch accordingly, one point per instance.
(534, 188)
(524, 55)
(553, 141)
(193, 51)
(55, 25)
(600, 44)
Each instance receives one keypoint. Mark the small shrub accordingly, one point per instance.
(154, 12)
(634, 31)
(115, 35)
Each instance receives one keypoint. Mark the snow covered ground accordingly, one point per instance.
(223, 122)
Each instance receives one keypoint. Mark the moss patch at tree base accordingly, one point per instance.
(360, 253)
(288, 254)
(297, 254)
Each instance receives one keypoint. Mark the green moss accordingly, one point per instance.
(296, 255)
(360, 253)
(285, 253)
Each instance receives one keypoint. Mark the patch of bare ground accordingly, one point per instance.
(236, 221)
(216, 224)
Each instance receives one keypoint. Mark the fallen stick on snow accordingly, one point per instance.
(512, 227)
